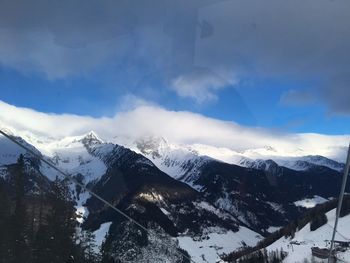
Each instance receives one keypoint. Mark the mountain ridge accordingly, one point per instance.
(169, 187)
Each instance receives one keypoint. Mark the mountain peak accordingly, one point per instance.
(151, 145)
(92, 135)
(91, 138)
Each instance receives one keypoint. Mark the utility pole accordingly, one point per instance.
(340, 201)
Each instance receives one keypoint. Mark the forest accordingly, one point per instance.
(42, 226)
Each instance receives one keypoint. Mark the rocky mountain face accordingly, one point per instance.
(259, 192)
(189, 202)
(167, 207)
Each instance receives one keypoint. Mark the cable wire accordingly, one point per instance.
(72, 179)
(340, 234)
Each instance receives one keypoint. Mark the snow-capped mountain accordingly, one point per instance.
(9, 152)
(306, 162)
(197, 194)
(295, 163)
(136, 185)
(223, 182)
(71, 155)
(177, 160)
(180, 162)
(259, 164)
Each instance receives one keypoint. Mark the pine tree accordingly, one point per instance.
(42, 251)
(89, 247)
(105, 248)
(5, 209)
(62, 223)
(318, 221)
(18, 249)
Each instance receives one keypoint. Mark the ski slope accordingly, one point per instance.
(299, 247)
(210, 247)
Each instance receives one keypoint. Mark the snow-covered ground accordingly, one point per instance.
(272, 229)
(100, 234)
(173, 158)
(210, 248)
(9, 151)
(70, 155)
(299, 247)
(168, 156)
(81, 211)
(311, 202)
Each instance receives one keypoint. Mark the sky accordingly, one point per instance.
(281, 66)
(208, 135)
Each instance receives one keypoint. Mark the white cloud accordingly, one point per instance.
(201, 85)
(130, 102)
(294, 40)
(176, 126)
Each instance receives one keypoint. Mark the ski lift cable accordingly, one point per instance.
(340, 234)
(340, 201)
(72, 179)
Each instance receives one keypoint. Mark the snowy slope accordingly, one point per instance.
(261, 158)
(305, 162)
(89, 156)
(72, 156)
(218, 243)
(311, 202)
(177, 160)
(9, 152)
(299, 247)
(100, 234)
(172, 158)
(69, 154)
(302, 163)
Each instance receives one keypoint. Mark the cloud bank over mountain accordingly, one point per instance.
(176, 126)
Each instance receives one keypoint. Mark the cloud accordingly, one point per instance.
(130, 102)
(201, 85)
(65, 39)
(295, 39)
(176, 126)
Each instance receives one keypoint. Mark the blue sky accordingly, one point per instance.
(259, 104)
(244, 67)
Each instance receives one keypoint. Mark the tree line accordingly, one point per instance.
(41, 227)
(262, 256)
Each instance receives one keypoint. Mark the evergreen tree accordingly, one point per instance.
(55, 239)
(345, 209)
(318, 221)
(62, 223)
(41, 250)
(88, 247)
(5, 209)
(18, 250)
(105, 248)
